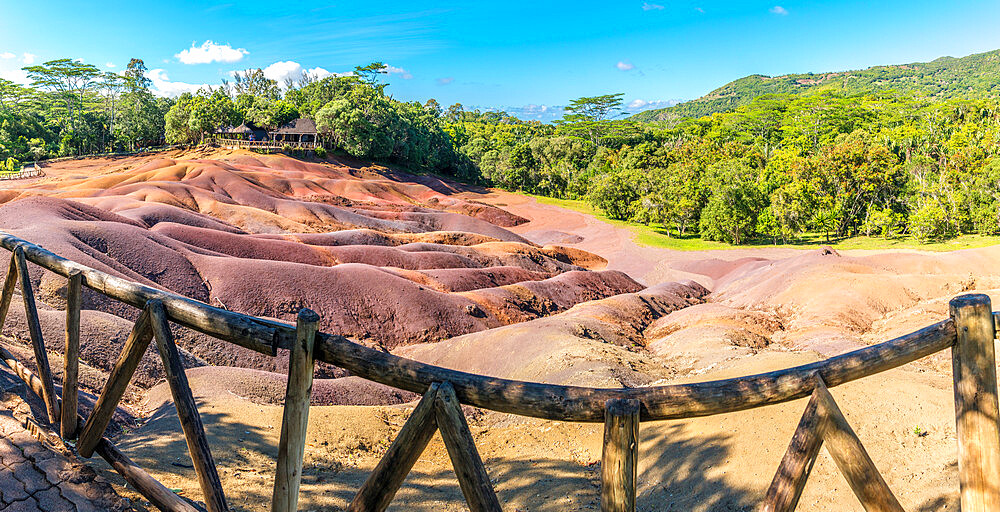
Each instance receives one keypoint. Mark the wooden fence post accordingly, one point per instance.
(620, 455)
(851, 457)
(71, 366)
(161, 497)
(291, 448)
(8, 289)
(976, 414)
(187, 411)
(468, 465)
(382, 485)
(790, 478)
(37, 344)
(135, 346)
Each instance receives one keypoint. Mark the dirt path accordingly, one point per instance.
(35, 477)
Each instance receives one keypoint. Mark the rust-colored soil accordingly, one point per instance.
(494, 283)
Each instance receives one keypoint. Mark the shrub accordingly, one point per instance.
(884, 223)
(929, 222)
(320, 152)
(616, 194)
(10, 165)
(731, 212)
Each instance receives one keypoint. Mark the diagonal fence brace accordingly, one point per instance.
(824, 422)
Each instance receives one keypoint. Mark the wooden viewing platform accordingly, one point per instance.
(30, 170)
(969, 333)
(266, 144)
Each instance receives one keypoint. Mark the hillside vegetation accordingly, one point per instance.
(840, 161)
(944, 78)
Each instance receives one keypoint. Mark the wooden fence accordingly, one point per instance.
(27, 171)
(969, 333)
(266, 144)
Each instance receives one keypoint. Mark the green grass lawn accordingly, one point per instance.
(657, 236)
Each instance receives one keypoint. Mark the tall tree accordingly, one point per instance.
(596, 108)
(69, 80)
(135, 76)
(254, 83)
(371, 74)
(112, 84)
(590, 116)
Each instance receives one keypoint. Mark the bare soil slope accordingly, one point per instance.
(383, 257)
(494, 283)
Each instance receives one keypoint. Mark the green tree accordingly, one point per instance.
(68, 81)
(617, 193)
(135, 76)
(254, 83)
(371, 74)
(269, 113)
(735, 202)
(589, 116)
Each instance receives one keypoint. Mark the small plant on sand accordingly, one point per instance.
(919, 432)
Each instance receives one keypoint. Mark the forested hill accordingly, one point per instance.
(944, 78)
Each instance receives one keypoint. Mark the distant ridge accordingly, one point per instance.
(944, 78)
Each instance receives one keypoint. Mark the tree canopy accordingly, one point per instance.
(875, 163)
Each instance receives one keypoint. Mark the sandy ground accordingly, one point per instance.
(905, 417)
(704, 315)
(722, 462)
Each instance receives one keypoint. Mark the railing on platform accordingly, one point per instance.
(266, 144)
(28, 170)
(969, 333)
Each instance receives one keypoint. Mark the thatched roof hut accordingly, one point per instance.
(243, 131)
(298, 130)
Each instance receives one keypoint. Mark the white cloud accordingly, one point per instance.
(624, 65)
(28, 58)
(320, 73)
(446, 80)
(7, 55)
(281, 70)
(109, 64)
(211, 52)
(19, 76)
(393, 70)
(532, 109)
(638, 105)
(779, 10)
(544, 113)
(549, 113)
(162, 86)
(651, 7)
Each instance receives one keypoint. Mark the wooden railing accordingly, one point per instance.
(266, 144)
(969, 332)
(29, 170)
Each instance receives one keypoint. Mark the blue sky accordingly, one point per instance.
(529, 57)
